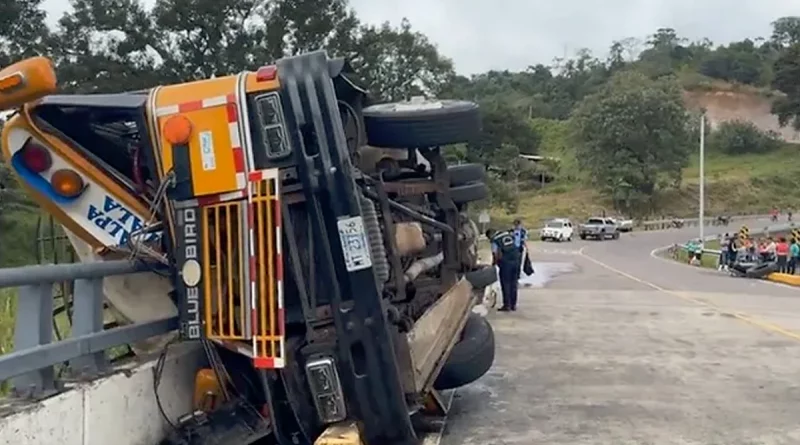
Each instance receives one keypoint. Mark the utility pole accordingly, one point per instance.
(702, 177)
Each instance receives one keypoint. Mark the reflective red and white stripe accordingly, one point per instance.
(229, 101)
(278, 360)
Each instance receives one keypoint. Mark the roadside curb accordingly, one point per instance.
(784, 278)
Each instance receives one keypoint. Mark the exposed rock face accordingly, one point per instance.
(722, 106)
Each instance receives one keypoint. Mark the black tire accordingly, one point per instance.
(471, 358)
(466, 173)
(543, 239)
(583, 237)
(761, 270)
(389, 127)
(482, 278)
(469, 193)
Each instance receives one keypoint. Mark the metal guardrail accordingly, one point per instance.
(768, 229)
(31, 366)
(669, 223)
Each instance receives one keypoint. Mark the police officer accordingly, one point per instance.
(507, 255)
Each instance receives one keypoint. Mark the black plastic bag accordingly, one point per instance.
(527, 267)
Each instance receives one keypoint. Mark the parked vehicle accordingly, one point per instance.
(559, 229)
(623, 224)
(324, 295)
(598, 228)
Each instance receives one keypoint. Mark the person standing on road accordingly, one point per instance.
(733, 252)
(771, 249)
(520, 240)
(794, 256)
(782, 255)
(724, 243)
(750, 246)
(506, 255)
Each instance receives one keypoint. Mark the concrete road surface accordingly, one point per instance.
(631, 349)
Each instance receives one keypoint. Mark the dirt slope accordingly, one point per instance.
(722, 105)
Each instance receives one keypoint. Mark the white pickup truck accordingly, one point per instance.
(623, 224)
(598, 228)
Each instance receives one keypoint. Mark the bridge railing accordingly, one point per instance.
(669, 223)
(774, 228)
(31, 366)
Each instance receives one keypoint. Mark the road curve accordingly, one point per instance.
(761, 301)
(629, 349)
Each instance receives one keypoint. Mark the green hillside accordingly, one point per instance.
(750, 183)
(622, 134)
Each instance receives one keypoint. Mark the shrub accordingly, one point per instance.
(738, 137)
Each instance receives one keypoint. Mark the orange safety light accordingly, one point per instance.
(67, 183)
(177, 129)
(11, 82)
(26, 81)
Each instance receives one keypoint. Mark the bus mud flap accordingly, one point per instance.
(436, 332)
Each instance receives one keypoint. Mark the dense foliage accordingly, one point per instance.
(633, 136)
(615, 122)
(738, 137)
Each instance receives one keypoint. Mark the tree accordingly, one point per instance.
(504, 180)
(786, 75)
(740, 137)
(398, 63)
(786, 31)
(23, 31)
(199, 39)
(633, 138)
(503, 126)
(309, 25)
(105, 45)
(741, 62)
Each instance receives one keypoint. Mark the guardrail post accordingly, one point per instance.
(88, 319)
(34, 327)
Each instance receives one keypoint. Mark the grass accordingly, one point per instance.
(744, 184)
(707, 260)
(8, 304)
(18, 241)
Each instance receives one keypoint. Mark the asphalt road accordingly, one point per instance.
(632, 349)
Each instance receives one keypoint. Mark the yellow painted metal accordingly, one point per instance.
(343, 433)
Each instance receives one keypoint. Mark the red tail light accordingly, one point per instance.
(266, 73)
(35, 157)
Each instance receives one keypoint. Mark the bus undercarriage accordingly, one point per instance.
(320, 249)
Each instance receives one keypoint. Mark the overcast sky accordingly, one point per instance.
(512, 34)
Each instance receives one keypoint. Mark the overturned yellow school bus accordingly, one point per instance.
(326, 292)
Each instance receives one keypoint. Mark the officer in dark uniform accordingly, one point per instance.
(507, 256)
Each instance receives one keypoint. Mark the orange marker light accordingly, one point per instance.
(11, 82)
(178, 129)
(67, 183)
